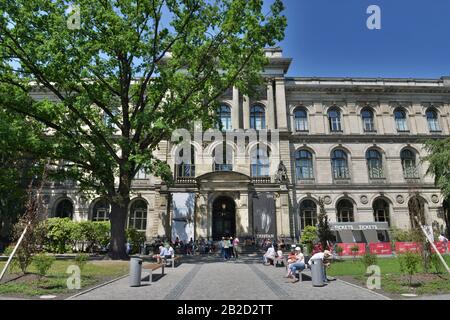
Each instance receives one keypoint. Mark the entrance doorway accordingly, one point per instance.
(224, 218)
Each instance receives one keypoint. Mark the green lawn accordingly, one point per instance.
(392, 280)
(55, 283)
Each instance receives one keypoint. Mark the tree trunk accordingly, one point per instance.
(118, 219)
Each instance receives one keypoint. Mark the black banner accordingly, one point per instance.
(264, 216)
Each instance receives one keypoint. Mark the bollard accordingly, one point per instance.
(135, 272)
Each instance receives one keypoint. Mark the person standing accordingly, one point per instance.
(235, 247)
(227, 245)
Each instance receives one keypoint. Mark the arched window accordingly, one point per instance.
(400, 120)
(345, 211)
(138, 215)
(224, 114)
(64, 209)
(339, 165)
(260, 161)
(101, 210)
(257, 118)
(408, 158)
(374, 164)
(304, 165)
(308, 214)
(187, 167)
(334, 118)
(368, 120)
(433, 121)
(223, 158)
(301, 120)
(381, 211)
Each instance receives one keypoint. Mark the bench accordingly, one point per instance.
(172, 260)
(153, 267)
(279, 260)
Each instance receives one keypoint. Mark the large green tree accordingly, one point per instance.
(148, 66)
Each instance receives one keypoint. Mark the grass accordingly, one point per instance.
(55, 283)
(392, 279)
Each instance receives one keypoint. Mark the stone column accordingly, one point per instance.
(281, 104)
(242, 216)
(246, 112)
(270, 112)
(235, 109)
(282, 214)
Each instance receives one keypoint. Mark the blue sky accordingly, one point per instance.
(330, 38)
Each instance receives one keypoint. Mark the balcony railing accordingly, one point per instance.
(261, 180)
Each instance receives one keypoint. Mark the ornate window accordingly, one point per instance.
(334, 118)
(187, 168)
(345, 211)
(257, 118)
(101, 210)
(368, 120)
(260, 161)
(410, 170)
(433, 121)
(381, 211)
(308, 214)
(304, 165)
(224, 114)
(301, 119)
(400, 120)
(138, 215)
(223, 158)
(339, 163)
(375, 164)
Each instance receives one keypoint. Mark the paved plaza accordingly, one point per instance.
(232, 280)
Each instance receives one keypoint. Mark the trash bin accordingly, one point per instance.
(135, 272)
(317, 272)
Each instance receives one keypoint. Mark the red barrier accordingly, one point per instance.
(402, 247)
(346, 248)
(440, 247)
(380, 248)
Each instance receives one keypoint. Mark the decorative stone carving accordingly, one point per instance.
(400, 199)
(364, 200)
(327, 200)
(435, 198)
(282, 173)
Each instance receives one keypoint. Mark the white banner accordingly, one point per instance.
(183, 206)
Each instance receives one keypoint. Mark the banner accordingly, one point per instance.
(183, 206)
(347, 248)
(380, 248)
(264, 215)
(402, 247)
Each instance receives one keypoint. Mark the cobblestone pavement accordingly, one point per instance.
(232, 280)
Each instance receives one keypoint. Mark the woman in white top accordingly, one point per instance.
(269, 256)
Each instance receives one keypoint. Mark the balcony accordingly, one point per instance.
(261, 180)
(185, 174)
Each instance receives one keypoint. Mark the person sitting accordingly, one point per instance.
(269, 256)
(159, 256)
(292, 257)
(298, 264)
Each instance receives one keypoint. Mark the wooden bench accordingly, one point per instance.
(172, 260)
(153, 267)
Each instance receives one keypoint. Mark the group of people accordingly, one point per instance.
(165, 252)
(296, 260)
(229, 248)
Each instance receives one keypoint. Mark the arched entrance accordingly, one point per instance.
(224, 218)
(64, 209)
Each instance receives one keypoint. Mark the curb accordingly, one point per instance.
(96, 287)
(359, 287)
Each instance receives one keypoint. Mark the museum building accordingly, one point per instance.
(353, 144)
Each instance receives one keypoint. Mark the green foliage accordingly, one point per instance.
(309, 235)
(323, 227)
(369, 259)
(399, 235)
(136, 239)
(409, 263)
(81, 260)
(116, 64)
(43, 263)
(58, 234)
(339, 250)
(437, 264)
(439, 162)
(354, 250)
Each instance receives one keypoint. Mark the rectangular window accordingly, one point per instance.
(301, 124)
(369, 126)
(335, 124)
(401, 124)
(433, 125)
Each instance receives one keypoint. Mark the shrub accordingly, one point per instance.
(136, 239)
(399, 235)
(43, 263)
(369, 259)
(81, 260)
(354, 250)
(437, 263)
(309, 234)
(58, 234)
(409, 262)
(339, 250)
